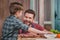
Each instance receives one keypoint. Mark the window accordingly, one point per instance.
(47, 11)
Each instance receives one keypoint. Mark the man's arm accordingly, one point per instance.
(39, 27)
(28, 35)
(30, 29)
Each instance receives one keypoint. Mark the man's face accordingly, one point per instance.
(28, 18)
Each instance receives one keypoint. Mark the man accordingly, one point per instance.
(28, 19)
(12, 23)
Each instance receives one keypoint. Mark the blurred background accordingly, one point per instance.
(46, 11)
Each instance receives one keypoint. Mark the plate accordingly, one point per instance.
(50, 35)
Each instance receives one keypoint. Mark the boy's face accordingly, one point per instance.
(28, 18)
(19, 14)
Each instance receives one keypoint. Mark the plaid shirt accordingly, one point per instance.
(11, 27)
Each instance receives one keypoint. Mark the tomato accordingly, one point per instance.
(58, 35)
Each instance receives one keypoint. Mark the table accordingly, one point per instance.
(39, 39)
(36, 38)
(20, 38)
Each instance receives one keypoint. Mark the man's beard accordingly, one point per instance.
(27, 22)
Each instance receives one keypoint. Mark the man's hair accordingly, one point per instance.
(14, 7)
(30, 11)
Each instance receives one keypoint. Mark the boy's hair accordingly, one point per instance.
(30, 11)
(14, 7)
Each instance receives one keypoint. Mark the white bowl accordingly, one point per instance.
(50, 35)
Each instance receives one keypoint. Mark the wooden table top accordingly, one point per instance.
(36, 38)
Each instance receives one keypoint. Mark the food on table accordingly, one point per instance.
(58, 35)
(55, 32)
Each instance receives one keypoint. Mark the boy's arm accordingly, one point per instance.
(20, 25)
